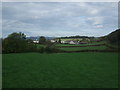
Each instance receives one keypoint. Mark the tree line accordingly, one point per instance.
(77, 36)
(18, 43)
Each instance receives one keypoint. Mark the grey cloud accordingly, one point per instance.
(59, 18)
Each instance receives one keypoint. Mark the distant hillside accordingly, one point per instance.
(77, 36)
(37, 37)
(114, 37)
(33, 38)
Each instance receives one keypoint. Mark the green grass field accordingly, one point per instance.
(60, 70)
(84, 48)
(65, 39)
(40, 45)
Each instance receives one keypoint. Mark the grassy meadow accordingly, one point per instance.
(84, 48)
(59, 44)
(60, 70)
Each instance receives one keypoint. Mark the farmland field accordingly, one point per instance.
(65, 39)
(39, 45)
(84, 48)
(96, 43)
(60, 70)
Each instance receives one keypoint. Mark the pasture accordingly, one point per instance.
(66, 39)
(78, 47)
(60, 70)
(84, 48)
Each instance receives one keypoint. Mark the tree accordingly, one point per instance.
(1, 45)
(30, 45)
(42, 40)
(59, 41)
(15, 42)
(114, 37)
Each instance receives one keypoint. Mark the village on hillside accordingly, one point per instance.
(71, 40)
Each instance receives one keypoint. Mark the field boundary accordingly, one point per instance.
(81, 46)
(90, 51)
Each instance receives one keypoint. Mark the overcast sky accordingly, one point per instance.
(60, 18)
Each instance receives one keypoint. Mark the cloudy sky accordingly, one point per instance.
(59, 18)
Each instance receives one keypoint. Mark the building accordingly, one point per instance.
(35, 41)
(73, 42)
(52, 41)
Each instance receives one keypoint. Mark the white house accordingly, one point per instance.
(52, 41)
(73, 42)
(63, 42)
(35, 41)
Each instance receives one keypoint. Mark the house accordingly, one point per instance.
(52, 41)
(65, 42)
(76, 41)
(70, 42)
(35, 41)
(73, 42)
